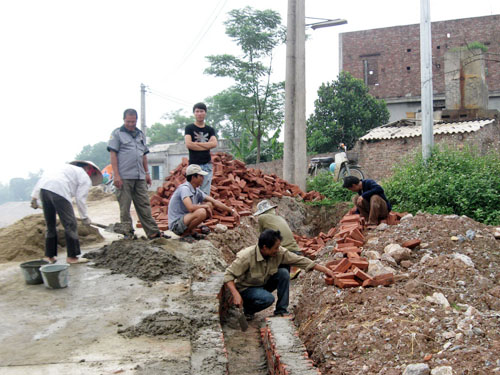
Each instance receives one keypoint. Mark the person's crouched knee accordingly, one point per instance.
(283, 273)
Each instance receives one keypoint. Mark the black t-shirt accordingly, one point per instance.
(201, 135)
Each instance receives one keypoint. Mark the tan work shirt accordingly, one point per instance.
(276, 222)
(250, 268)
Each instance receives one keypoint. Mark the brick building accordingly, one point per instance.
(388, 60)
(384, 147)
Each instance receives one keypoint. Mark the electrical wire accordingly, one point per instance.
(167, 97)
(196, 42)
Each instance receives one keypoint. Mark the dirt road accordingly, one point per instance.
(75, 330)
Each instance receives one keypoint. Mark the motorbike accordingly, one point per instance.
(340, 165)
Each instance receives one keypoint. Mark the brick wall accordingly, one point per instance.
(377, 158)
(392, 54)
(276, 166)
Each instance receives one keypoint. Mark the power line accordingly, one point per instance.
(167, 97)
(202, 33)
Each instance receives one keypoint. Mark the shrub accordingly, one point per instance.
(458, 182)
(332, 190)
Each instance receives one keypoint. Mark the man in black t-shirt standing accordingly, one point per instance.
(200, 139)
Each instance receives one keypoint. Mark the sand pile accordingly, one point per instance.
(96, 193)
(138, 258)
(25, 239)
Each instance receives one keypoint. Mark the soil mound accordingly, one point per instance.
(96, 193)
(138, 258)
(163, 323)
(25, 239)
(382, 330)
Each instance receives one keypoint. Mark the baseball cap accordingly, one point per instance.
(195, 169)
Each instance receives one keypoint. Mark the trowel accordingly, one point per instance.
(242, 320)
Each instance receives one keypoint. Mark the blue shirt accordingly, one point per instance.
(176, 206)
(130, 148)
(370, 187)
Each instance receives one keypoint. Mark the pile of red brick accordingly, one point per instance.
(350, 270)
(344, 233)
(233, 184)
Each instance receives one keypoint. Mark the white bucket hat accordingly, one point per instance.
(96, 178)
(263, 206)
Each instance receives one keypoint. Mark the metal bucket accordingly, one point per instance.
(31, 271)
(55, 276)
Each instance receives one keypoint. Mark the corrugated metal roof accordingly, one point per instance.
(160, 147)
(413, 128)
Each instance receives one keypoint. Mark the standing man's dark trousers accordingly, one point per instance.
(256, 299)
(55, 204)
(136, 191)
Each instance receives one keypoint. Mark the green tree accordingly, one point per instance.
(172, 131)
(343, 112)
(97, 154)
(253, 103)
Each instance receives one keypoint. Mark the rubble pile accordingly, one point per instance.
(440, 314)
(233, 184)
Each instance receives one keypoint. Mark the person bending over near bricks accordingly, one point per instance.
(370, 202)
(255, 274)
(190, 206)
(268, 218)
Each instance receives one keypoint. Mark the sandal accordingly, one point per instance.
(160, 235)
(198, 236)
(188, 239)
(204, 229)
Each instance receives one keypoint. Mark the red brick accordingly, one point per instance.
(348, 218)
(346, 283)
(353, 241)
(329, 280)
(346, 275)
(343, 266)
(357, 235)
(361, 263)
(348, 249)
(411, 244)
(360, 274)
(392, 219)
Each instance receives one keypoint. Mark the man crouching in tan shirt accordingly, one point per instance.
(255, 274)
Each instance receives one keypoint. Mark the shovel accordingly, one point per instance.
(242, 320)
(113, 228)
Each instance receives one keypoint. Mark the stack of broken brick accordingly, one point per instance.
(233, 184)
(350, 270)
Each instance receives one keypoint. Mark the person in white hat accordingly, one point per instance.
(56, 189)
(269, 219)
(189, 206)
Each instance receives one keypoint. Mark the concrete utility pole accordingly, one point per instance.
(427, 100)
(295, 147)
(143, 108)
(294, 158)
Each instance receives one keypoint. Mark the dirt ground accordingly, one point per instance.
(382, 330)
(136, 292)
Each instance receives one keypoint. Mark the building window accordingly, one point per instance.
(370, 68)
(408, 50)
(155, 172)
(408, 68)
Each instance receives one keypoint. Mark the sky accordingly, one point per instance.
(69, 68)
